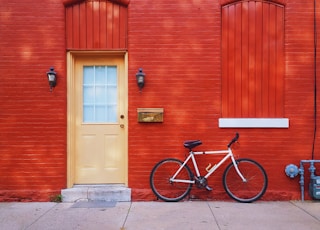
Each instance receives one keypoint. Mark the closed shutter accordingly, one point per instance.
(253, 60)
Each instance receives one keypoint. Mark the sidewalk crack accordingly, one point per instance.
(214, 217)
(43, 214)
(125, 219)
(305, 211)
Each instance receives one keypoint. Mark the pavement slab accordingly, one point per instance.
(263, 216)
(162, 215)
(64, 217)
(21, 215)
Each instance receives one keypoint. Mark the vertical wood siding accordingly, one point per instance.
(96, 25)
(252, 59)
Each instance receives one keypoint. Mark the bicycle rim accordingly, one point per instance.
(251, 190)
(160, 180)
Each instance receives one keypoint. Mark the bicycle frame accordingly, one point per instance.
(191, 156)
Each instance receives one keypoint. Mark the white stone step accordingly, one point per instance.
(107, 192)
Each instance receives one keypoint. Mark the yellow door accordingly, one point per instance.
(100, 119)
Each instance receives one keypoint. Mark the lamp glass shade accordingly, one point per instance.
(51, 77)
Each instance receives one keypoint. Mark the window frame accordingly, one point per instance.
(228, 120)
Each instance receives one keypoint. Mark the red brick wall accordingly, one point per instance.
(32, 120)
(177, 43)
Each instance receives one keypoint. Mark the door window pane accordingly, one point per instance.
(88, 71)
(100, 78)
(100, 94)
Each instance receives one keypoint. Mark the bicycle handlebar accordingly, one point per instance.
(233, 140)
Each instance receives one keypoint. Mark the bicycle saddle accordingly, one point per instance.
(191, 144)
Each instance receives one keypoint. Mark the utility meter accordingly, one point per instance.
(314, 187)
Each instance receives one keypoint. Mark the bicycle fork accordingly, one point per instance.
(237, 169)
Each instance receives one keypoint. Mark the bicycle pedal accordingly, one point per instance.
(208, 188)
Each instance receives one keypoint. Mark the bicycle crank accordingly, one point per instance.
(201, 182)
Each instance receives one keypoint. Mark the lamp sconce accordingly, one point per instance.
(52, 78)
(140, 78)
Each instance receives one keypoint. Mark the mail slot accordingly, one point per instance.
(150, 115)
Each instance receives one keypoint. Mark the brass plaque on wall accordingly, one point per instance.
(150, 114)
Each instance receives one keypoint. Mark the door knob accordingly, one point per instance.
(122, 116)
(122, 126)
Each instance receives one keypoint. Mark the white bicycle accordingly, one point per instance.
(244, 179)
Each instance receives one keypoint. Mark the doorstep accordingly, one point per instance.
(105, 192)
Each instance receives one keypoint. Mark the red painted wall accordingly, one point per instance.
(32, 120)
(178, 44)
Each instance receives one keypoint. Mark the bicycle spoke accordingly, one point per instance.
(160, 182)
(253, 188)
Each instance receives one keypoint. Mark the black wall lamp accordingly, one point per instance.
(52, 78)
(140, 78)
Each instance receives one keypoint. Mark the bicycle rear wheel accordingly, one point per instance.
(160, 180)
(250, 190)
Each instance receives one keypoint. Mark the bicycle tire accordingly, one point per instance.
(251, 190)
(160, 180)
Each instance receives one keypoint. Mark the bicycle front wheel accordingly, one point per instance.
(245, 191)
(160, 182)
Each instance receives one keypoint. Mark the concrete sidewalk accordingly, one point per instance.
(186, 215)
